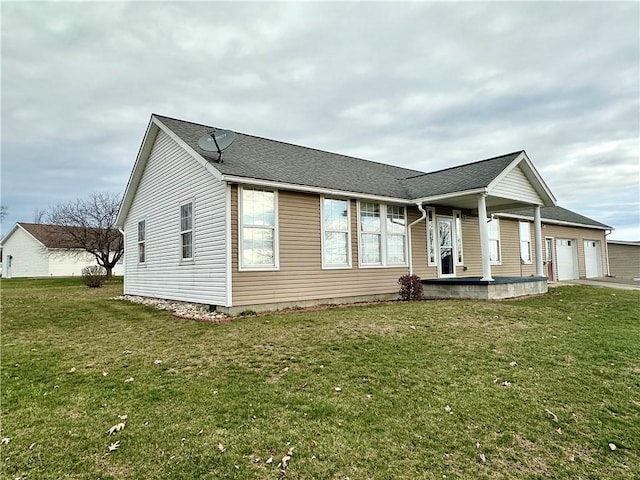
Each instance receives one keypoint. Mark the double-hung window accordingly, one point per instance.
(525, 242)
(186, 231)
(396, 232)
(383, 234)
(494, 241)
(258, 232)
(336, 235)
(142, 235)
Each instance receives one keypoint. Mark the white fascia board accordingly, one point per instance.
(319, 190)
(552, 222)
(15, 227)
(136, 172)
(206, 164)
(532, 175)
(445, 196)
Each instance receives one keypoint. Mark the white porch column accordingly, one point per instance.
(484, 238)
(537, 228)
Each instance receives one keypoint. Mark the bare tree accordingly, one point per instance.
(3, 212)
(39, 216)
(90, 225)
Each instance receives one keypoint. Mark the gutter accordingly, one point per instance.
(424, 215)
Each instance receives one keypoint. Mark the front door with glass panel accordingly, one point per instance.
(446, 247)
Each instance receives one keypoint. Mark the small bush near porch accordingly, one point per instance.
(545, 387)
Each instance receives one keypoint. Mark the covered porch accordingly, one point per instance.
(499, 186)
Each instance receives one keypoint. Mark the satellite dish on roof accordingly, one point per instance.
(216, 141)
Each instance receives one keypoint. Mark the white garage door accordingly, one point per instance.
(567, 259)
(592, 258)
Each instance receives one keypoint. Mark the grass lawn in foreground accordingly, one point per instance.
(426, 390)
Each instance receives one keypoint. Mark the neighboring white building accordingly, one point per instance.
(36, 250)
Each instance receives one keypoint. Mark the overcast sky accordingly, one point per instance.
(420, 85)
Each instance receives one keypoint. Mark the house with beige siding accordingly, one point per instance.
(265, 224)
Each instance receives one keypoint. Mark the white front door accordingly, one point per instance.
(446, 248)
(592, 258)
(567, 259)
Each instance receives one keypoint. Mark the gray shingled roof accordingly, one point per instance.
(560, 214)
(264, 159)
(458, 179)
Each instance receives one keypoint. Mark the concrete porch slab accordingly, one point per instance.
(476, 288)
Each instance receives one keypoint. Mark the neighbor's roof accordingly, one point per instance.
(51, 236)
(263, 159)
(561, 216)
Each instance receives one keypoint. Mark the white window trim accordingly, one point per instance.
(528, 240)
(276, 233)
(496, 262)
(349, 264)
(144, 242)
(431, 219)
(457, 233)
(383, 238)
(190, 260)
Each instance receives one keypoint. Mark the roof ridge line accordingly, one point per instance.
(299, 146)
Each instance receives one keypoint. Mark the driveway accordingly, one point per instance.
(609, 282)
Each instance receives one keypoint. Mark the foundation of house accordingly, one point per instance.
(476, 288)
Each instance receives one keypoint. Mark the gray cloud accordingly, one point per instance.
(422, 85)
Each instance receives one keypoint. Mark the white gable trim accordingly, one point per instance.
(15, 227)
(210, 168)
(155, 125)
(532, 175)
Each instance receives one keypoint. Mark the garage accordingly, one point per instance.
(592, 258)
(567, 259)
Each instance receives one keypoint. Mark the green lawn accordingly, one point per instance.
(212, 401)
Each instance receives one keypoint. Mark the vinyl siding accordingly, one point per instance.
(301, 276)
(579, 235)
(66, 264)
(30, 259)
(517, 186)
(624, 260)
(509, 250)
(172, 177)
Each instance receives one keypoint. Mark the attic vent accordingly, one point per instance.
(216, 141)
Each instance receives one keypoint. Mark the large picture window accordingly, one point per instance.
(525, 242)
(186, 231)
(382, 243)
(494, 241)
(336, 243)
(258, 232)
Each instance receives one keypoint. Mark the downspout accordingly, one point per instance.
(424, 215)
(606, 250)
